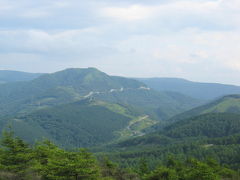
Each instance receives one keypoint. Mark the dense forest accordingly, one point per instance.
(214, 135)
(46, 161)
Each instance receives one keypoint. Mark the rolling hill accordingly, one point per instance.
(204, 91)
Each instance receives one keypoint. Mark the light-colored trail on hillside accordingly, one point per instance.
(91, 93)
(136, 133)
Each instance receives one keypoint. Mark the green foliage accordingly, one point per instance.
(162, 173)
(47, 161)
(143, 167)
(110, 170)
(190, 169)
(56, 164)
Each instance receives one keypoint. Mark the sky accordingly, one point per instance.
(194, 39)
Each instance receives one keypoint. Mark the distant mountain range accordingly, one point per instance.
(204, 91)
(13, 76)
(197, 90)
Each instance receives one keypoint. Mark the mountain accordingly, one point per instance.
(60, 87)
(14, 76)
(75, 84)
(204, 91)
(85, 107)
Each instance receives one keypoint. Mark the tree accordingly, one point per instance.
(143, 167)
(162, 173)
(16, 155)
(54, 163)
(196, 170)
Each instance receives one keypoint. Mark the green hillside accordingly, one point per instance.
(161, 105)
(213, 125)
(226, 104)
(207, 125)
(80, 124)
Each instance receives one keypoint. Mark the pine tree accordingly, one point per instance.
(16, 155)
(54, 163)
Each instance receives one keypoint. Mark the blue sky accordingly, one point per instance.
(194, 39)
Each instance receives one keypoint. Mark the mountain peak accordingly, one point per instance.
(85, 80)
(80, 71)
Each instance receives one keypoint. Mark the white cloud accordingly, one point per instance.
(132, 13)
(209, 13)
(138, 12)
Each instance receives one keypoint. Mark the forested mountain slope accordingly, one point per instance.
(79, 124)
(226, 104)
(161, 105)
(215, 135)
